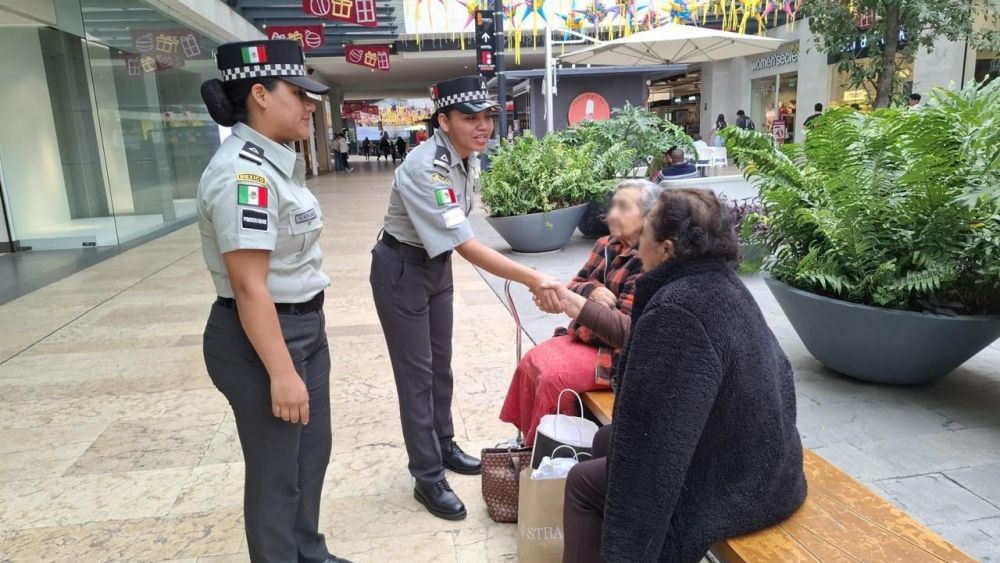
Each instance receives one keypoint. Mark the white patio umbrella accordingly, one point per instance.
(673, 44)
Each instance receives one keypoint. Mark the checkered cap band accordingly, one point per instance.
(259, 71)
(473, 96)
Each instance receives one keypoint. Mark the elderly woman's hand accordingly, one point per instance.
(571, 303)
(604, 296)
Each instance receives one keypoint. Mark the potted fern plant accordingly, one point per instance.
(537, 190)
(624, 143)
(884, 233)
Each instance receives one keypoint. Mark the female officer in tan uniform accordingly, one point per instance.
(265, 343)
(411, 280)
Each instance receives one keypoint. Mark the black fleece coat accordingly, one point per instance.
(704, 444)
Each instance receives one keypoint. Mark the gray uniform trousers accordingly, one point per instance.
(285, 463)
(413, 297)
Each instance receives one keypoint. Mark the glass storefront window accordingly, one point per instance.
(842, 95)
(773, 105)
(106, 136)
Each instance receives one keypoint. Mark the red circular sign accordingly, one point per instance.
(589, 106)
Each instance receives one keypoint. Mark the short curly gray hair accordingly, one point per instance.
(650, 192)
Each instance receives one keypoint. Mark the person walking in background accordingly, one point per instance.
(744, 122)
(914, 100)
(720, 124)
(344, 147)
(384, 146)
(401, 148)
(819, 111)
(366, 148)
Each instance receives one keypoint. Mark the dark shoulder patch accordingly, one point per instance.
(442, 157)
(252, 152)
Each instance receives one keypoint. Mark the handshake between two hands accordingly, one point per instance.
(554, 297)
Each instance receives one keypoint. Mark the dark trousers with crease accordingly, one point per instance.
(414, 298)
(285, 463)
(583, 509)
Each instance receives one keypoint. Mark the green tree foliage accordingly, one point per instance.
(840, 26)
(898, 209)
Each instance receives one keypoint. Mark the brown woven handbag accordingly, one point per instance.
(502, 465)
(501, 479)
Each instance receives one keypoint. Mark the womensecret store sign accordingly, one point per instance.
(775, 60)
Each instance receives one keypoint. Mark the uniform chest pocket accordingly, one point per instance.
(304, 227)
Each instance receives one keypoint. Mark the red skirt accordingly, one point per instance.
(556, 364)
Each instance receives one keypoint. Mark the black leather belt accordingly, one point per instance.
(410, 250)
(314, 304)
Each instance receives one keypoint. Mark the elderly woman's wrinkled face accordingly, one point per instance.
(625, 215)
(652, 252)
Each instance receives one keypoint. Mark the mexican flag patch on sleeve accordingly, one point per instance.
(445, 196)
(254, 196)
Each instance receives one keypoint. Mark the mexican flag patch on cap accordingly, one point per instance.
(254, 55)
(255, 196)
(445, 196)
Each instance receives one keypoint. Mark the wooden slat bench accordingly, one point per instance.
(841, 520)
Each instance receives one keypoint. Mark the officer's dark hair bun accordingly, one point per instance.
(217, 102)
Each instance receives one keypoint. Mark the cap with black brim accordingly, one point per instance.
(275, 58)
(307, 84)
(474, 107)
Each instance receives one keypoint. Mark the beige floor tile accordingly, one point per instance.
(64, 501)
(149, 443)
(211, 487)
(43, 452)
(185, 538)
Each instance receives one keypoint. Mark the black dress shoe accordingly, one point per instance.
(458, 461)
(439, 499)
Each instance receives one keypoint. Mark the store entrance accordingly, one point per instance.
(773, 105)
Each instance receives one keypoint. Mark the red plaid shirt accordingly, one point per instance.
(612, 266)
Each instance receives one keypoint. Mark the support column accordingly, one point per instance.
(336, 96)
(941, 67)
(322, 138)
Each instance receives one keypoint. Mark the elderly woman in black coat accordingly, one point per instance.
(704, 445)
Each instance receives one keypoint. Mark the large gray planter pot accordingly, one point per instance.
(539, 232)
(883, 345)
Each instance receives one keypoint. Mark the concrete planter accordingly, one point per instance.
(539, 232)
(883, 345)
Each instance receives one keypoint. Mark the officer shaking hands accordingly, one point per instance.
(411, 279)
(265, 343)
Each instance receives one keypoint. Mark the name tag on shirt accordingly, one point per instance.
(304, 220)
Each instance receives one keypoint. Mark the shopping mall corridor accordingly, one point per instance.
(114, 445)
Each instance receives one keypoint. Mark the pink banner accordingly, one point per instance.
(372, 56)
(360, 12)
(309, 36)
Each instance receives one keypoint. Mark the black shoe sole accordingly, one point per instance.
(460, 471)
(443, 515)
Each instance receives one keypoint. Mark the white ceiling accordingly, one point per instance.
(410, 74)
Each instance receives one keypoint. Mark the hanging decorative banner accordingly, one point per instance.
(160, 49)
(309, 36)
(375, 57)
(360, 12)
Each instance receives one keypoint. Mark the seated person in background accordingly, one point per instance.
(703, 446)
(580, 357)
(677, 168)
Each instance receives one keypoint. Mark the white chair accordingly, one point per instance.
(720, 157)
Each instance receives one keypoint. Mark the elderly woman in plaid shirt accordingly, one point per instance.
(581, 356)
